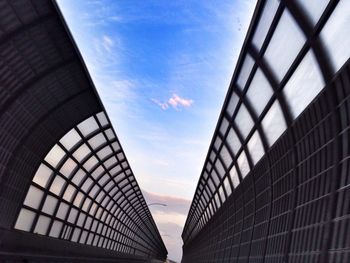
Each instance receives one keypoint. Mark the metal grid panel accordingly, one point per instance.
(45, 92)
(84, 191)
(280, 208)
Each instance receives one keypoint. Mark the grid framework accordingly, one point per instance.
(270, 182)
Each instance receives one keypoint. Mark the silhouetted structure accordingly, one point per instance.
(275, 186)
(67, 193)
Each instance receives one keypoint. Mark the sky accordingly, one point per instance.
(162, 69)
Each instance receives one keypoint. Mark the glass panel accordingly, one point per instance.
(123, 183)
(110, 134)
(108, 186)
(78, 177)
(121, 156)
(87, 185)
(81, 152)
(244, 121)
(68, 167)
(72, 215)
(78, 199)
(88, 222)
(68, 194)
(88, 126)
(86, 204)
(55, 155)
(49, 205)
(211, 185)
(212, 158)
(83, 237)
(222, 194)
(217, 200)
(76, 234)
(125, 165)
(219, 168)
(205, 175)
(226, 156)
(274, 124)
(115, 170)
(25, 220)
(227, 186)
(335, 34)
(232, 104)
(110, 162)
(255, 147)
(97, 140)
(42, 175)
(56, 229)
(102, 119)
(281, 51)
(265, 21)
(224, 125)
(33, 197)
(90, 163)
(243, 164)
(57, 185)
(215, 177)
(114, 191)
(314, 8)
(217, 143)
(304, 85)
(259, 92)
(42, 225)
(116, 146)
(94, 191)
(98, 171)
(245, 71)
(233, 141)
(70, 139)
(103, 179)
(62, 211)
(103, 153)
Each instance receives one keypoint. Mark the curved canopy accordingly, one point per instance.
(63, 173)
(292, 50)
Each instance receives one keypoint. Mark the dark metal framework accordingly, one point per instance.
(63, 174)
(84, 191)
(275, 186)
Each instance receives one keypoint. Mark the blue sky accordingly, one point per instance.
(162, 69)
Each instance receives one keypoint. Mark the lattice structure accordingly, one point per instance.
(273, 188)
(84, 191)
(67, 192)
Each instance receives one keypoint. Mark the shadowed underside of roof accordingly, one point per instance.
(45, 92)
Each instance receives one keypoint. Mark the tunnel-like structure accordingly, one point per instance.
(67, 192)
(275, 186)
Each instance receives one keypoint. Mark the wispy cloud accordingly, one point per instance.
(170, 219)
(175, 101)
(107, 43)
(162, 105)
(174, 205)
(189, 65)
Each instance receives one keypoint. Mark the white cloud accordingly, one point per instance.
(107, 43)
(162, 105)
(175, 101)
(170, 220)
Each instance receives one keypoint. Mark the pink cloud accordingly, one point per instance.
(175, 101)
(163, 106)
